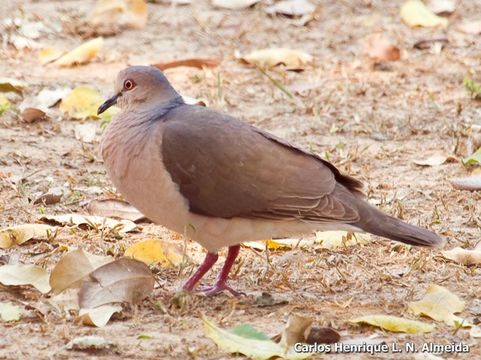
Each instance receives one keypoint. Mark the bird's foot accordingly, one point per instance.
(219, 287)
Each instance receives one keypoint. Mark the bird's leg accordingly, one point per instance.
(221, 283)
(209, 261)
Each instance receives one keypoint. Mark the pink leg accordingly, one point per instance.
(209, 261)
(221, 283)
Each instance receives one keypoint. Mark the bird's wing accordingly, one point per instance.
(226, 168)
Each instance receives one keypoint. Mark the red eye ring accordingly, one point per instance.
(128, 84)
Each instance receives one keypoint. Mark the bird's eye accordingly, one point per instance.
(128, 84)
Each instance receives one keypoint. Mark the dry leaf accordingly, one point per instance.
(335, 239)
(152, 251)
(83, 102)
(25, 274)
(291, 8)
(322, 335)
(415, 13)
(439, 304)
(98, 222)
(65, 302)
(394, 323)
(471, 183)
(442, 7)
(99, 316)
(193, 101)
(80, 54)
(114, 208)
(234, 4)
(8, 84)
(47, 55)
(119, 13)
(195, 62)
(292, 59)
(297, 329)
(19, 234)
(121, 280)
(31, 115)
(434, 160)
(253, 344)
(45, 99)
(470, 27)
(475, 332)
(92, 342)
(10, 312)
(73, 267)
(378, 46)
(463, 256)
(52, 196)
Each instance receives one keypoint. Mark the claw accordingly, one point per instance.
(218, 288)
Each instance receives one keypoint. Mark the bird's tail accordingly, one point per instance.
(376, 222)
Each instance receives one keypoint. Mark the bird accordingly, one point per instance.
(221, 181)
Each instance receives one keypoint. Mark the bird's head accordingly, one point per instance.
(139, 85)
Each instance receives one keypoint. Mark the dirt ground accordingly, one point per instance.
(371, 120)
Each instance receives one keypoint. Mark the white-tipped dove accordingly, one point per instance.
(221, 181)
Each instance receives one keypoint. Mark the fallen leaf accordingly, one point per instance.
(25, 274)
(194, 62)
(82, 103)
(415, 13)
(64, 302)
(19, 234)
(292, 59)
(121, 13)
(470, 27)
(442, 7)
(85, 132)
(73, 267)
(152, 251)
(115, 209)
(474, 159)
(475, 332)
(249, 332)
(378, 46)
(471, 183)
(52, 196)
(4, 104)
(335, 239)
(47, 55)
(464, 256)
(99, 316)
(394, 323)
(297, 330)
(98, 222)
(234, 4)
(322, 335)
(45, 99)
(434, 160)
(10, 312)
(121, 280)
(250, 343)
(8, 84)
(31, 115)
(439, 304)
(291, 8)
(80, 54)
(91, 342)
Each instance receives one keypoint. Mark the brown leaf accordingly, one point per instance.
(119, 281)
(73, 267)
(115, 209)
(296, 331)
(291, 8)
(378, 47)
(471, 183)
(31, 115)
(194, 62)
(323, 335)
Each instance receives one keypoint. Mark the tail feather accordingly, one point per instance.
(376, 222)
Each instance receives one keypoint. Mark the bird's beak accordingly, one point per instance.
(108, 103)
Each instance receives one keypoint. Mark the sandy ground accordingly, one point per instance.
(372, 122)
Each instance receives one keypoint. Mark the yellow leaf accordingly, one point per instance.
(19, 234)
(48, 55)
(335, 239)
(415, 13)
(25, 274)
(129, 13)
(394, 323)
(98, 316)
(83, 102)
(155, 251)
(10, 312)
(81, 54)
(292, 59)
(439, 304)
(4, 104)
(250, 347)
